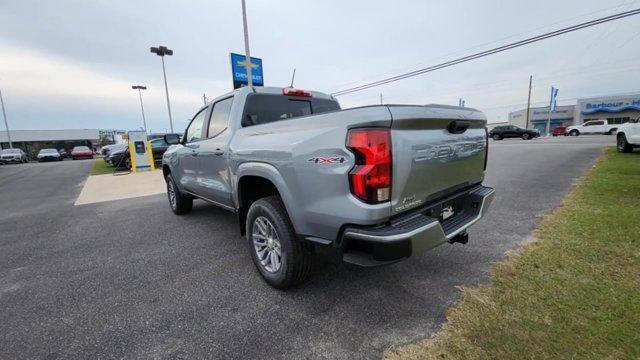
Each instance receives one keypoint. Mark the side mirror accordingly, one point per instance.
(172, 139)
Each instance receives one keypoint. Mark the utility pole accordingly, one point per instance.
(140, 88)
(162, 51)
(6, 124)
(380, 98)
(204, 98)
(529, 102)
(246, 45)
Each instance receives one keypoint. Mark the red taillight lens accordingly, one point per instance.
(296, 92)
(370, 178)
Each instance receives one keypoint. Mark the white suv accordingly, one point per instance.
(628, 136)
(592, 127)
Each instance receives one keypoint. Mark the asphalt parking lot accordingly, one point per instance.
(128, 279)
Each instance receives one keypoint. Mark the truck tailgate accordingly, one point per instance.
(437, 150)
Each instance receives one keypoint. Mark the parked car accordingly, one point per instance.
(121, 157)
(559, 131)
(628, 136)
(108, 150)
(378, 183)
(63, 153)
(593, 127)
(49, 155)
(512, 131)
(81, 152)
(13, 156)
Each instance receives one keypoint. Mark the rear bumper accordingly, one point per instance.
(416, 231)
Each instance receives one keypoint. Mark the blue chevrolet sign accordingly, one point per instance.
(239, 70)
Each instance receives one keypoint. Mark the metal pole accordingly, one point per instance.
(144, 121)
(246, 45)
(549, 117)
(6, 124)
(380, 98)
(529, 102)
(166, 90)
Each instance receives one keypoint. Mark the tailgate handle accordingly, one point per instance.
(458, 126)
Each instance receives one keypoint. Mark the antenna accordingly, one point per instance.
(293, 77)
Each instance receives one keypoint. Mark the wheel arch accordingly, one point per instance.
(256, 181)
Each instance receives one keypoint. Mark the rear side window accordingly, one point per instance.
(219, 117)
(266, 108)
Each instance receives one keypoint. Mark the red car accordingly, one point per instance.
(559, 131)
(81, 152)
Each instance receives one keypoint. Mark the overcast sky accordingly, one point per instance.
(70, 64)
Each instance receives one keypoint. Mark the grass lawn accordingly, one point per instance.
(100, 167)
(573, 293)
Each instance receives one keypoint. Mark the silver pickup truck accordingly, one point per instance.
(377, 183)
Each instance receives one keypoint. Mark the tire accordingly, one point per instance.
(612, 131)
(269, 231)
(497, 137)
(574, 133)
(180, 203)
(526, 136)
(623, 144)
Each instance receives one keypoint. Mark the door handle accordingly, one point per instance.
(194, 153)
(218, 152)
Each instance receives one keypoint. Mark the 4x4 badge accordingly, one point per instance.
(327, 159)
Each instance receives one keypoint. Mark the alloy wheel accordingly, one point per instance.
(266, 244)
(171, 192)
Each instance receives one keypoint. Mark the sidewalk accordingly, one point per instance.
(100, 188)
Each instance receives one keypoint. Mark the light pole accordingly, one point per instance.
(162, 51)
(140, 88)
(6, 124)
(246, 45)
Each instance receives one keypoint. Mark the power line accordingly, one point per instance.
(490, 51)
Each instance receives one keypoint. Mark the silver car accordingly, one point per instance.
(13, 156)
(49, 155)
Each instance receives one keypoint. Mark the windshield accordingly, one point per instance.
(11, 151)
(266, 108)
(81, 148)
(48, 151)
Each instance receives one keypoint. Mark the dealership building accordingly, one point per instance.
(612, 109)
(31, 141)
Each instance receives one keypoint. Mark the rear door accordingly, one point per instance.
(437, 150)
(214, 154)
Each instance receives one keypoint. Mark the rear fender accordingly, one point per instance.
(270, 173)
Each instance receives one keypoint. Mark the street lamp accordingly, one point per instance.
(140, 88)
(6, 124)
(162, 51)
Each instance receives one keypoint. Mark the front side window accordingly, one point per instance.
(219, 117)
(156, 143)
(194, 132)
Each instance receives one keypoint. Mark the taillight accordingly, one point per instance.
(370, 178)
(296, 92)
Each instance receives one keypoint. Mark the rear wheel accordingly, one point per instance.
(612, 131)
(623, 144)
(282, 259)
(180, 203)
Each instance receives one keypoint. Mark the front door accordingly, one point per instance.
(188, 153)
(214, 155)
